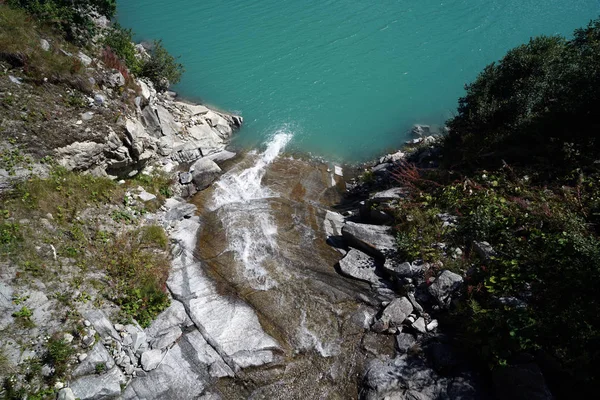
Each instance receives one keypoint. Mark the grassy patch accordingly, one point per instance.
(139, 268)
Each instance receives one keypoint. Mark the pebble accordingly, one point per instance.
(68, 338)
(87, 323)
(120, 327)
(82, 357)
(59, 385)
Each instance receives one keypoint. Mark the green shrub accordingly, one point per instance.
(120, 40)
(162, 68)
(70, 16)
(58, 354)
(537, 106)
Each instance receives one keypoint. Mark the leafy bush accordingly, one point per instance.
(161, 68)
(72, 17)
(536, 106)
(120, 41)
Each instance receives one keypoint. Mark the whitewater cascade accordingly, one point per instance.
(240, 201)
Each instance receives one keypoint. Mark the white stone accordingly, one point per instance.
(151, 359)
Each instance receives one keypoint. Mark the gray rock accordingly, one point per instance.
(167, 123)
(151, 359)
(520, 382)
(397, 311)
(65, 394)
(15, 80)
(484, 250)
(205, 171)
(388, 195)
(145, 196)
(101, 323)
(419, 325)
(185, 178)
(404, 342)
(97, 387)
(87, 116)
(405, 269)
(241, 341)
(221, 156)
(115, 79)
(85, 60)
(80, 155)
(421, 130)
(45, 45)
(183, 374)
(357, 264)
(444, 286)
(99, 99)
(98, 356)
(401, 378)
(151, 122)
(167, 327)
(374, 240)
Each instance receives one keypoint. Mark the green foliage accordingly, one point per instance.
(162, 68)
(139, 273)
(66, 193)
(59, 353)
(154, 236)
(120, 40)
(100, 368)
(23, 316)
(70, 16)
(418, 230)
(536, 106)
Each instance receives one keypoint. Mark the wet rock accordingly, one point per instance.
(178, 210)
(222, 156)
(205, 171)
(374, 240)
(98, 356)
(444, 287)
(397, 311)
(96, 387)
(520, 382)
(357, 264)
(421, 130)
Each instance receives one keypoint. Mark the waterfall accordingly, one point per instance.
(240, 200)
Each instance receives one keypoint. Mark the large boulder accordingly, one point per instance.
(98, 356)
(99, 387)
(357, 264)
(405, 269)
(374, 240)
(396, 312)
(444, 287)
(204, 172)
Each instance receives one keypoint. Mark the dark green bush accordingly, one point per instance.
(120, 40)
(71, 16)
(537, 106)
(162, 68)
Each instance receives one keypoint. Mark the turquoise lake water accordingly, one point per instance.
(348, 78)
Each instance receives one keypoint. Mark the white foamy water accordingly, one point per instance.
(310, 340)
(241, 202)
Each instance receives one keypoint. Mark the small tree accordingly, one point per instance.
(162, 68)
